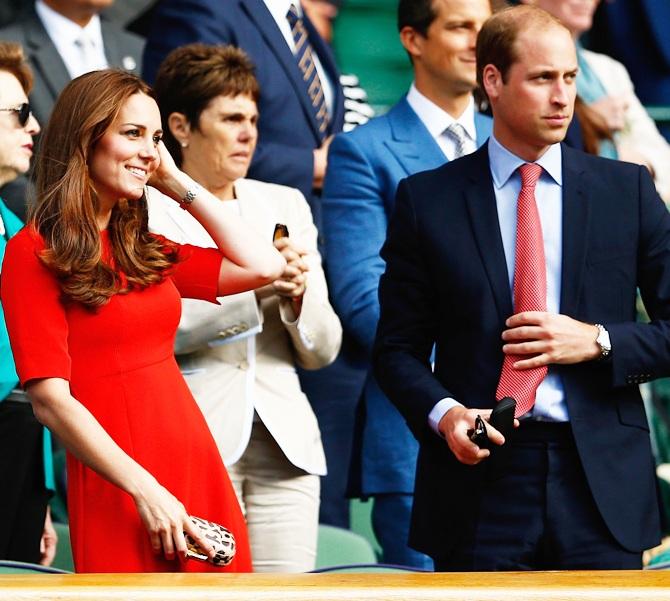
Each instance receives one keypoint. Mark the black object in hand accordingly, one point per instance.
(502, 419)
(281, 231)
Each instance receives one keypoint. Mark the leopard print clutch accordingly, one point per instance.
(220, 538)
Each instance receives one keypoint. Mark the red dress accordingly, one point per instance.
(120, 365)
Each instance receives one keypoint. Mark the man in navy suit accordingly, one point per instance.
(291, 150)
(573, 487)
(364, 168)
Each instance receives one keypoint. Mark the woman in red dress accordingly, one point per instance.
(92, 306)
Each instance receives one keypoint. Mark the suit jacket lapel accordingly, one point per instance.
(411, 143)
(259, 14)
(45, 55)
(116, 57)
(254, 208)
(481, 204)
(575, 230)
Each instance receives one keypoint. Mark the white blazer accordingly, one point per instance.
(231, 380)
(640, 133)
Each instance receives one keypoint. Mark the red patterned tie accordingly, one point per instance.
(530, 289)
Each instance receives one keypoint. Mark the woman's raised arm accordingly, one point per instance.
(249, 261)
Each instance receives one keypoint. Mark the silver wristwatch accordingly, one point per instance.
(603, 341)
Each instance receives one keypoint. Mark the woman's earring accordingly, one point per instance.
(184, 144)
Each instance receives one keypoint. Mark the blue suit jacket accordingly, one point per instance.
(288, 132)
(446, 284)
(364, 168)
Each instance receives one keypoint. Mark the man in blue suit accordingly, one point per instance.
(436, 122)
(291, 147)
(520, 264)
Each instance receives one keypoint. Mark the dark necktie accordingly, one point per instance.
(304, 54)
(530, 289)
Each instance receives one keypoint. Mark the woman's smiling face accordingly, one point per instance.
(125, 157)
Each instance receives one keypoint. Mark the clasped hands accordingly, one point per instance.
(538, 338)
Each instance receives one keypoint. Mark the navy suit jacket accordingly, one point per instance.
(288, 132)
(364, 168)
(446, 284)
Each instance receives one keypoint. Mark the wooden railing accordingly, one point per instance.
(511, 586)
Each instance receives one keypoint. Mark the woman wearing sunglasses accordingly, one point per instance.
(92, 302)
(26, 471)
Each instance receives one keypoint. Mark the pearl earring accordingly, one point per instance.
(184, 144)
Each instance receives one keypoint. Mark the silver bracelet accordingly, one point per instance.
(190, 195)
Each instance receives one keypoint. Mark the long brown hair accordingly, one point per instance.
(593, 126)
(65, 212)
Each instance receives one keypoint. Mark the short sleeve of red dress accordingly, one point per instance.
(196, 274)
(35, 316)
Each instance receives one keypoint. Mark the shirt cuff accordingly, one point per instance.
(439, 411)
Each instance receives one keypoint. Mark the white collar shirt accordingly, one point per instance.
(81, 48)
(438, 120)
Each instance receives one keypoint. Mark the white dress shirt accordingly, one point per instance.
(550, 399)
(437, 121)
(81, 48)
(278, 9)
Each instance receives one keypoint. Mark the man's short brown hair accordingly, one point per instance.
(191, 76)
(496, 42)
(13, 60)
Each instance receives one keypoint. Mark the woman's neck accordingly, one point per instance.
(223, 189)
(6, 176)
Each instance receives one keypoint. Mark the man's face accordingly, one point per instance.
(533, 108)
(446, 55)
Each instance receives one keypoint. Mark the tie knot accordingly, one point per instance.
(457, 132)
(292, 14)
(530, 173)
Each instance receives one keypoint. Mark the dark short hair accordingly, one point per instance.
(496, 42)
(191, 76)
(13, 61)
(417, 14)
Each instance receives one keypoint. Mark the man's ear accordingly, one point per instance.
(412, 41)
(180, 128)
(492, 81)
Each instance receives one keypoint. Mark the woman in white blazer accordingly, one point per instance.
(239, 358)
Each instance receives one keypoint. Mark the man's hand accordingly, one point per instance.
(320, 163)
(454, 426)
(549, 338)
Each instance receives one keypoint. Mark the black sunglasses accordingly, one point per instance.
(23, 111)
